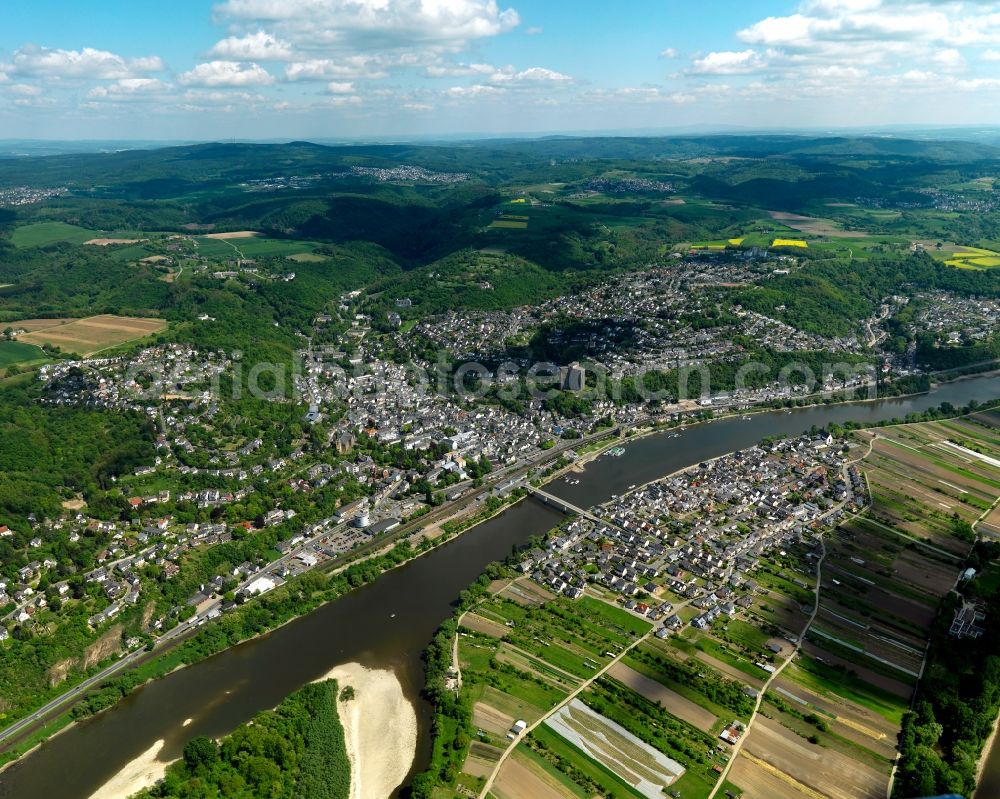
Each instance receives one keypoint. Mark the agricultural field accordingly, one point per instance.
(16, 352)
(509, 222)
(630, 758)
(675, 704)
(525, 774)
(815, 226)
(249, 244)
(975, 258)
(102, 241)
(802, 692)
(89, 335)
(41, 234)
(526, 592)
(520, 660)
(828, 724)
(928, 483)
(697, 682)
(233, 234)
(777, 761)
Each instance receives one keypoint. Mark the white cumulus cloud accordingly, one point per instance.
(391, 22)
(476, 90)
(85, 63)
(227, 73)
(258, 46)
(728, 63)
(24, 90)
(353, 66)
(509, 75)
(129, 88)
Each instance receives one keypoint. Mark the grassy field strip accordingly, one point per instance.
(535, 662)
(850, 621)
(803, 789)
(855, 725)
(871, 697)
(875, 735)
(852, 575)
(924, 544)
(862, 651)
(940, 445)
(788, 694)
(894, 442)
(897, 644)
(971, 431)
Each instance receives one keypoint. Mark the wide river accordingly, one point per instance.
(389, 622)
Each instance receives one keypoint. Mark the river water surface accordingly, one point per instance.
(389, 622)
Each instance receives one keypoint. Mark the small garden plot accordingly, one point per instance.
(485, 626)
(525, 592)
(521, 777)
(675, 704)
(514, 707)
(481, 759)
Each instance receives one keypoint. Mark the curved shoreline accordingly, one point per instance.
(142, 772)
(380, 736)
(380, 729)
(984, 756)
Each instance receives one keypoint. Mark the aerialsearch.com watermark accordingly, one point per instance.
(510, 381)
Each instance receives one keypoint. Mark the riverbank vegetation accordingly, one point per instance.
(296, 751)
(957, 702)
(451, 724)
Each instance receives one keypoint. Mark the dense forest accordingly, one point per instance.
(51, 453)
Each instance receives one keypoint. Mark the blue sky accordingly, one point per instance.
(255, 69)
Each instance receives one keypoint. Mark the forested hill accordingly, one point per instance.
(173, 168)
